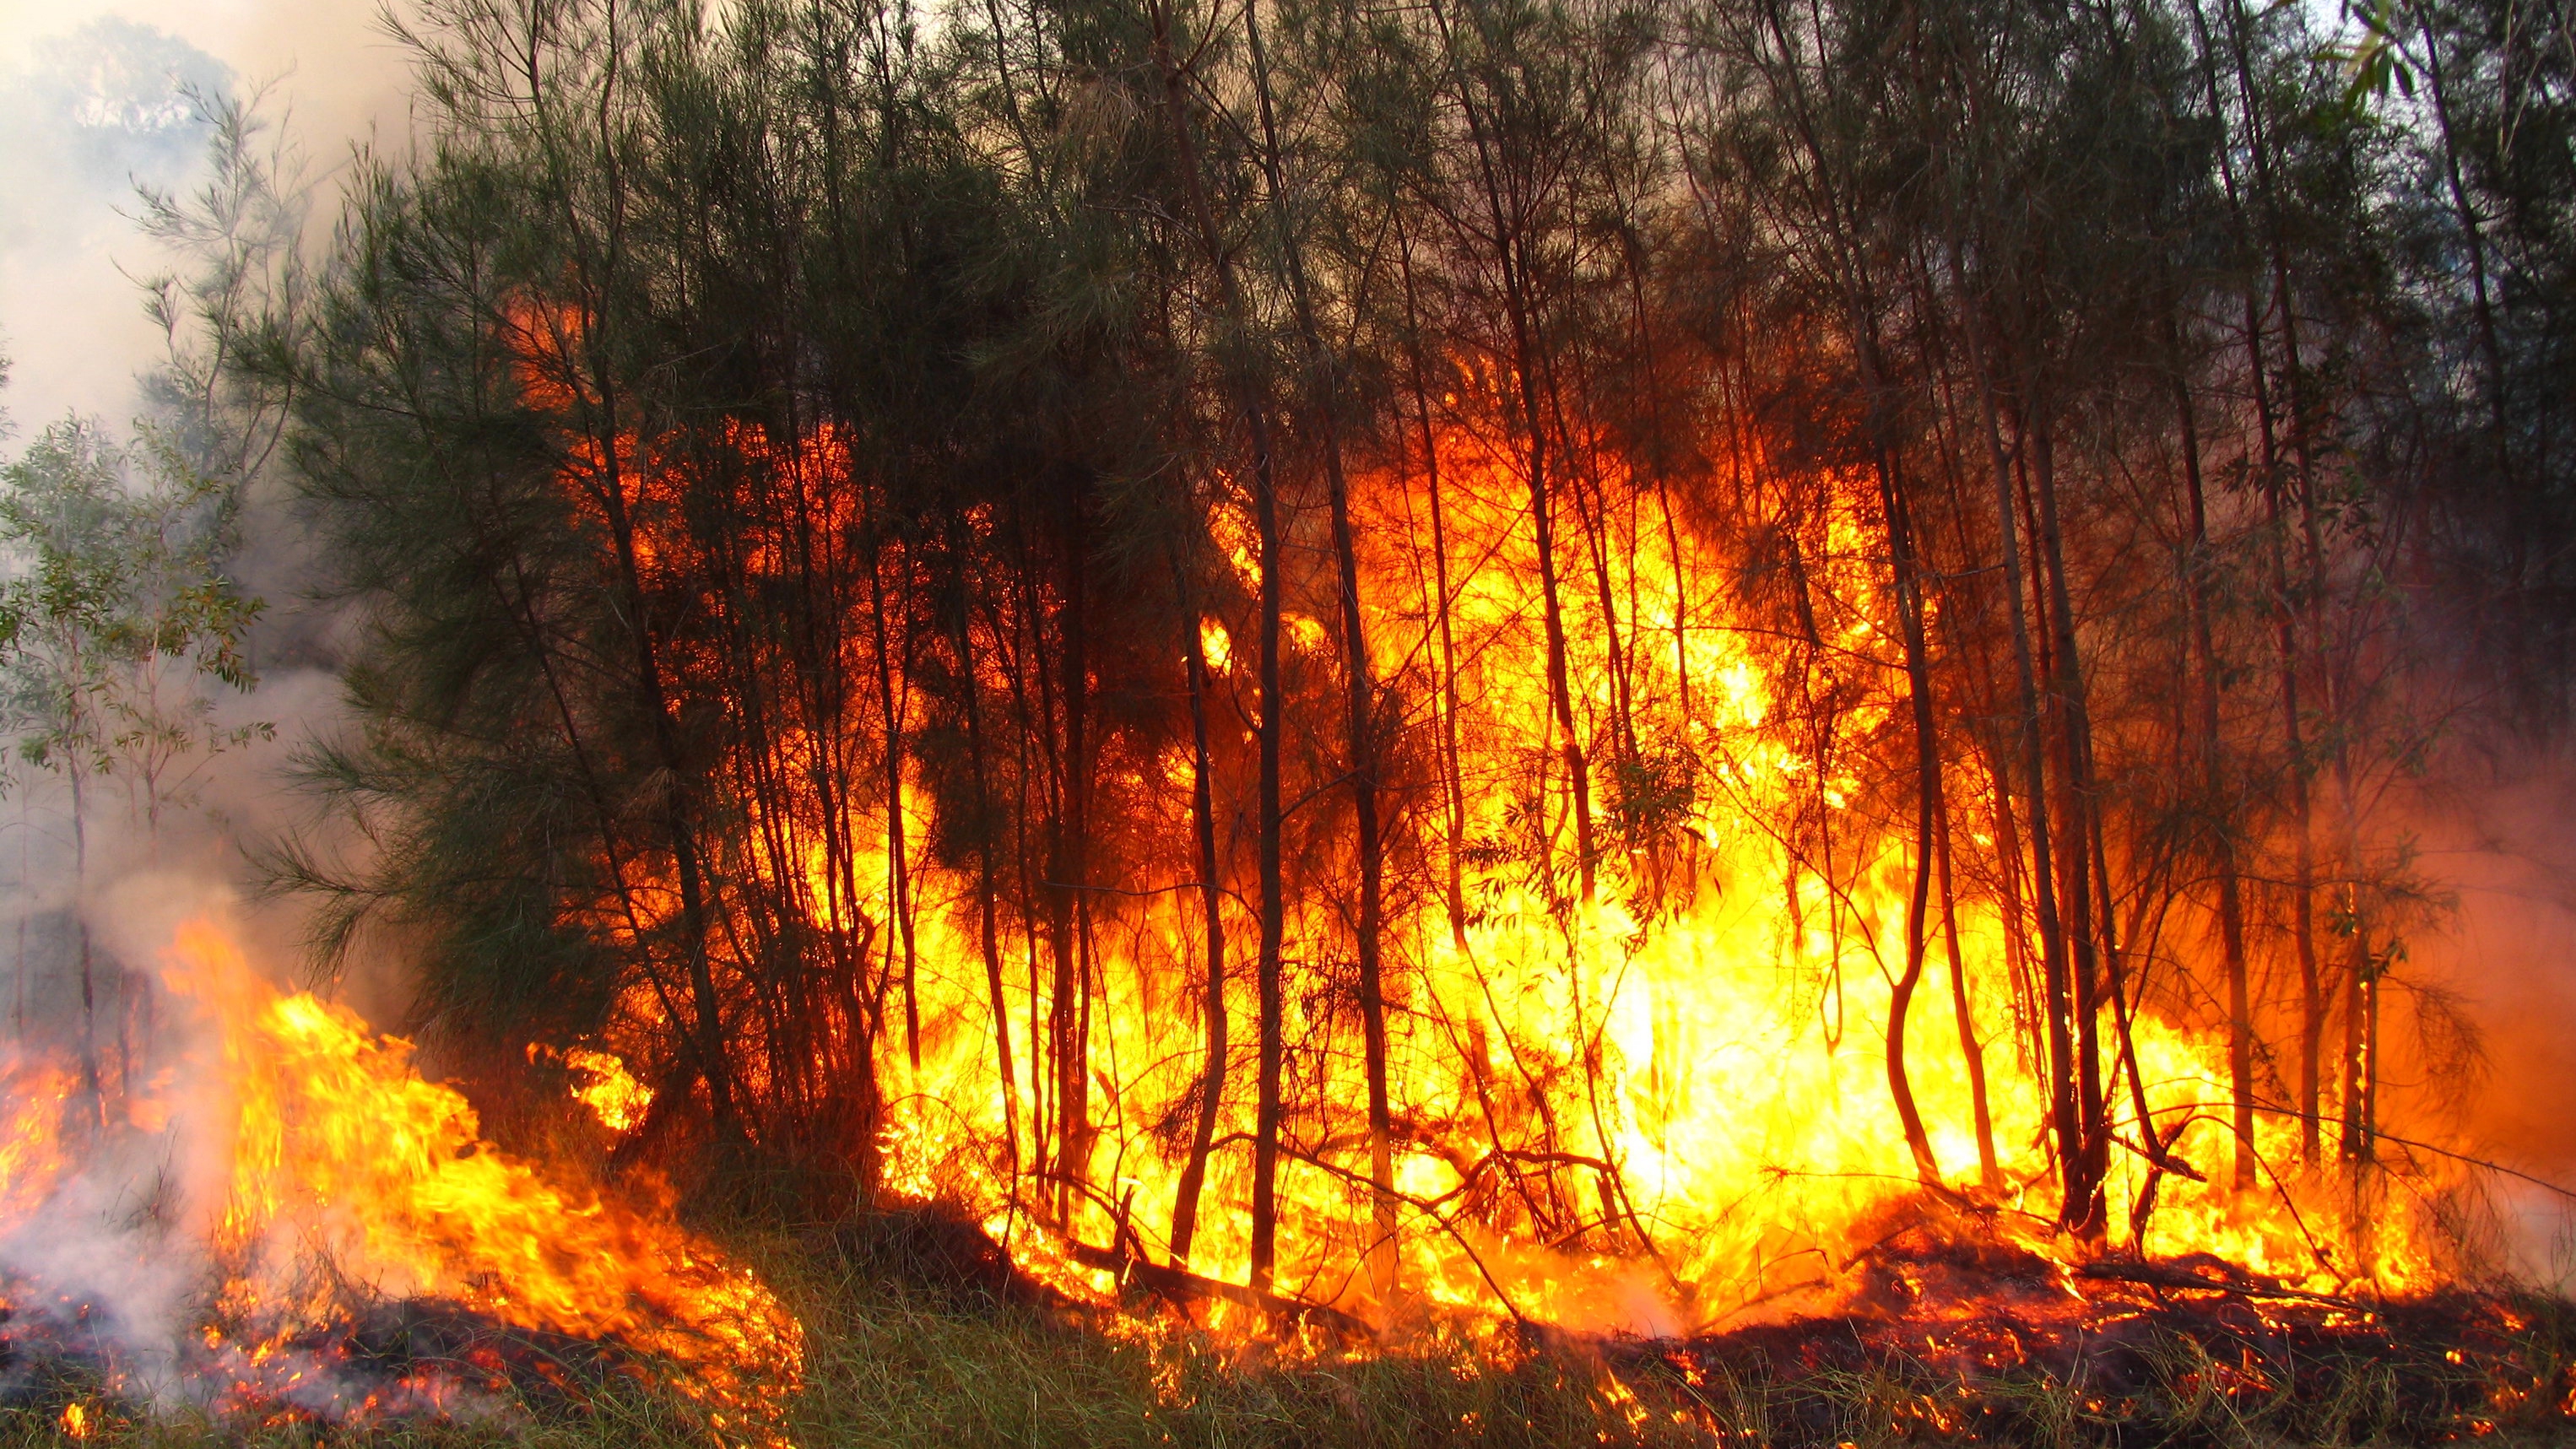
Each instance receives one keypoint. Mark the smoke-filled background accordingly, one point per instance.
(2506, 849)
(99, 103)
(90, 103)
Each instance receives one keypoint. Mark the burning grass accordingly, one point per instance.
(383, 1274)
(291, 1226)
(918, 1333)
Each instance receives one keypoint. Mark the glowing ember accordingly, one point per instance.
(602, 1083)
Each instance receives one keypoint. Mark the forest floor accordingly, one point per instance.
(913, 1341)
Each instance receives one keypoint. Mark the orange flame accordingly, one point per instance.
(340, 1170)
(601, 1083)
(610, 1091)
(1650, 1109)
(1652, 1112)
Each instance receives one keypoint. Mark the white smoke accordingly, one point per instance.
(91, 103)
(119, 1246)
(108, 1252)
(2498, 844)
(98, 97)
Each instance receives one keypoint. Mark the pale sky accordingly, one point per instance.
(69, 320)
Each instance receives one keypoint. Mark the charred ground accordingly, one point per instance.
(920, 1332)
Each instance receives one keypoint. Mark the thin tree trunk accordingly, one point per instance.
(898, 865)
(694, 924)
(2080, 829)
(1511, 255)
(598, 271)
(1453, 787)
(1990, 1174)
(2312, 1002)
(988, 889)
(2059, 1000)
(1185, 1198)
(1071, 869)
(1927, 791)
(1271, 725)
(1360, 688)
(2474, 235)
(93, 1088)
(2198, 560)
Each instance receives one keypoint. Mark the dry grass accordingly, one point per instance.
(907, 1353)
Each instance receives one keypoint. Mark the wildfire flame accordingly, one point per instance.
(610, 1091)
(1650, 1111)
(340, 1175)
(1656, 1103)
(601, 1083)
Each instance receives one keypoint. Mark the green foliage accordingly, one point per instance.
(2375, 59)
(233, 301)
(120, 615)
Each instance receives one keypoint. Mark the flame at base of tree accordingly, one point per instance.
(305, 1194)
(1638, 1129)
(1661, 1109)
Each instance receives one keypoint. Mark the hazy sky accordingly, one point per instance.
(87, 104)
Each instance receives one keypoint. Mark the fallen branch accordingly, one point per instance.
(2161, 1275)
(1181, 1287)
